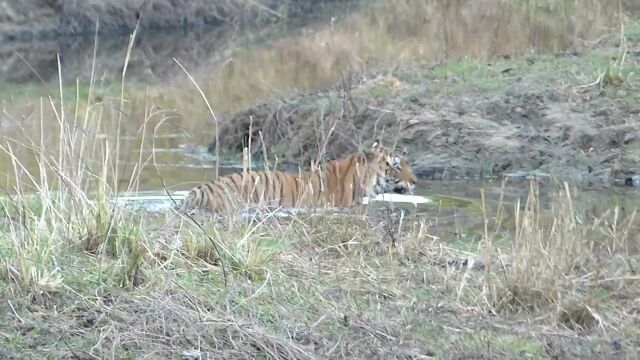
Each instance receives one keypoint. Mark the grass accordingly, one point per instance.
(81, 276)
(327, 287)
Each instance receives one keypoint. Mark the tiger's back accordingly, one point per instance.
(341, 184)
(270, 188)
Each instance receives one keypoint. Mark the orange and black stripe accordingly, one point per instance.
(343, 183)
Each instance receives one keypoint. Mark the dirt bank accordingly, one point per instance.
(45, 19)
(573, 115)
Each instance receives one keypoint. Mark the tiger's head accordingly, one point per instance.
(400, 178)
(380, 162)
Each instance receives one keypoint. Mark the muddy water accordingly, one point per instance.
(457, 210)
(236, 67)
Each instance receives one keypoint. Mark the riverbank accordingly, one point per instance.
(573, 115)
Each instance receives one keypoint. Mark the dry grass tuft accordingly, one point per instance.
(567, 264)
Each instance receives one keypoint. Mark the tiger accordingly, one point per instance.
(400, 179)
(342, 184)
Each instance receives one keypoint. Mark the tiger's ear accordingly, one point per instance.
(369, 156)
(373, 155)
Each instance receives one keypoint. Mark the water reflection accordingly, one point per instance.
(458, 206)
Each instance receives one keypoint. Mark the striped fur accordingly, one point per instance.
(342, 183)
(400, 179)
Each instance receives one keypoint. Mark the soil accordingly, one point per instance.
(515, 116)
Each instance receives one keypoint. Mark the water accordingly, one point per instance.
(238, 67)
(160, 201)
